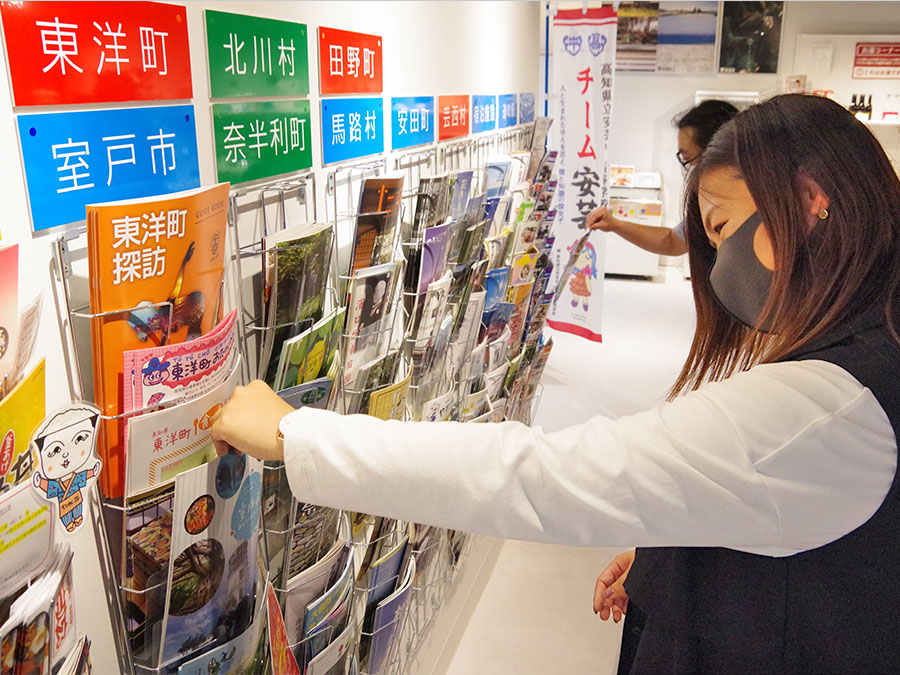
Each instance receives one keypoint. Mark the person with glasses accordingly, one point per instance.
(695, 129)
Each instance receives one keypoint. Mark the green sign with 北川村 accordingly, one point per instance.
(253, 56)
(261, 139)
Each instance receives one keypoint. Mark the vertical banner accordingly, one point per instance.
(584, 56)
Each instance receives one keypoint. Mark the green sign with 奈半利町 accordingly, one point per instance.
(253, 56)
(261, 139)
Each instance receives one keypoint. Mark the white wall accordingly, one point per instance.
(645, 103)
(429, 48)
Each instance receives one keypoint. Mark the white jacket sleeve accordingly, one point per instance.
(782, 458)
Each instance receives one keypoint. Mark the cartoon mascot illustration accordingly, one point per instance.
(585, 270)
(65, 444)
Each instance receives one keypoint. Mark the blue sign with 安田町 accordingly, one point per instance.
(526, 108)
(508, 110)
(87, 157)
(484, 113)
(351, 127)
(412, 121)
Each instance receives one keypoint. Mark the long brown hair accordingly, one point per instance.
(842, 267)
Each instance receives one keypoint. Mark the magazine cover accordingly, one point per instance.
(296, 274)
(163, 444)
(9, 312)
(495, 283)
(313, 394)
(313, 534)
(460, 187)
(185, 370)
(389, 403)
(388, 620)
(283, 661)
(306, 587)
(309, 356)
(687, 36)
(213, 568)
(497, 179)
(23, 550)
(168, 249)
(432, 204)
(335, 658)
(29, 321)
(369, 305)
(376, 224)
(236, 657)
(434, 255)
(751, 37)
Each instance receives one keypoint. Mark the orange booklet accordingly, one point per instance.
(155, 268)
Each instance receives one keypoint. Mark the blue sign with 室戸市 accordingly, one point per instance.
(412, 121)
(351, 128)
(526, 108)
(87, 157)
(484, 113)
(508, 110)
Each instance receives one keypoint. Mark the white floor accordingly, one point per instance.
(535, 614)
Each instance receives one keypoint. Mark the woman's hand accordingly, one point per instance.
(609, 594)
(601, 219)
(249, 421)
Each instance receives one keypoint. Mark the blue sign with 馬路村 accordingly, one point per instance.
(87, 157)
(351, 128)
(508, 110)
(484, 113)
(412, 121)
(526, 108)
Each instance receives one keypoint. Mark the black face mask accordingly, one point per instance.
(739, 281)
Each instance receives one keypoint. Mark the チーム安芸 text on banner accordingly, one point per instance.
(584, 55)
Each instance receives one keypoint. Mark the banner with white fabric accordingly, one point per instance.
(584, 57)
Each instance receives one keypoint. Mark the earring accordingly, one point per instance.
(823, 213)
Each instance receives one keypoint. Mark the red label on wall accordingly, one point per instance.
(349, 63)
(96, 52)
(452, 116)
(876, 61)
(6, 452)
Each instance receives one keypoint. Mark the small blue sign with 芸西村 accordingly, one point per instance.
(508, 110)
(91, 156)
(351, 128)
(526, 108)
(484, 113)
(412, 121)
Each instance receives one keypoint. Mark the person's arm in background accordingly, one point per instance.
(659, 240)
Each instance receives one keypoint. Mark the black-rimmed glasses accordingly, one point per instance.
(685, 163)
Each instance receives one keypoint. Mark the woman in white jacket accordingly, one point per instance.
(762, 495)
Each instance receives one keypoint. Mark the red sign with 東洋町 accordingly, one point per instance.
(349, 63)
(96, 52)
(452, 116)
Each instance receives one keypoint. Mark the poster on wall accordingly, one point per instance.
(876, 61)
(686, 42)
(585, 56)
(636, 36)
(85, 52)
(751, 37)
(526, 108)
(253, 56)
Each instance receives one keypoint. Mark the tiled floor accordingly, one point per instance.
(535, 614)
